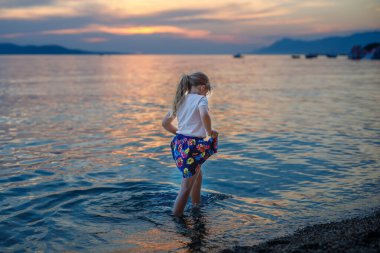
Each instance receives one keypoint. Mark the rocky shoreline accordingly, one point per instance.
(356, 235)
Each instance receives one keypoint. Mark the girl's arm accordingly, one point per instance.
(206, 119)
(167, 124)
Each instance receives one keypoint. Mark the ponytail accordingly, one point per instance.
(183, 87)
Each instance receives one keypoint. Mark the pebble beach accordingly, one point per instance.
(356, 235)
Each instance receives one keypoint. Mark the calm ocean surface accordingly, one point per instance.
(85, 165)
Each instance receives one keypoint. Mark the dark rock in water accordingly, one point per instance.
(376, 54)
(357, 53)
(369, 52)
(371, 46)
(357, 235)
(311, 56)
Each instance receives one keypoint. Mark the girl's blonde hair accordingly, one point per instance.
(184, 86)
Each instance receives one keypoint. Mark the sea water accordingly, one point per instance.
(85, 165)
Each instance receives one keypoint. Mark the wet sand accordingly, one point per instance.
(356, 235)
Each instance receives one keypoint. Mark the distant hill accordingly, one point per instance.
(8, 48)
(330, 45)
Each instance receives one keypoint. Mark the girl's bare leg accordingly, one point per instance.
(183, 194)
(196, 190)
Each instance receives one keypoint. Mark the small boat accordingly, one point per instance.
(238, 56)
(296, 56)
(331, 55)
(311, 56)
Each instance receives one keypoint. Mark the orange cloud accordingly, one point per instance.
(146, 30)
(318, 4)
(95, 40)
(234, 15)
(132, 30)
(285, 21)
(11, 35)
(38, 12)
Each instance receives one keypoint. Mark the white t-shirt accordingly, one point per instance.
(189, 118)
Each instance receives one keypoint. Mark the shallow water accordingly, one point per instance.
(85, 165)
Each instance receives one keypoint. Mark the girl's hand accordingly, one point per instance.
(214, 133)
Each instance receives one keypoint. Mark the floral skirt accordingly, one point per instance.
(189, 153)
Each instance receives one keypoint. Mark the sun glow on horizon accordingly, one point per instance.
(132, 30)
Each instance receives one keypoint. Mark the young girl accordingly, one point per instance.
(189, 147)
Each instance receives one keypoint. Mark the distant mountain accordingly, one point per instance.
(8, 48)
(330, 45)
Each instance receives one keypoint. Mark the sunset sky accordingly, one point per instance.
(157, 26)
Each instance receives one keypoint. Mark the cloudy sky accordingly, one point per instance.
(158, 26)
